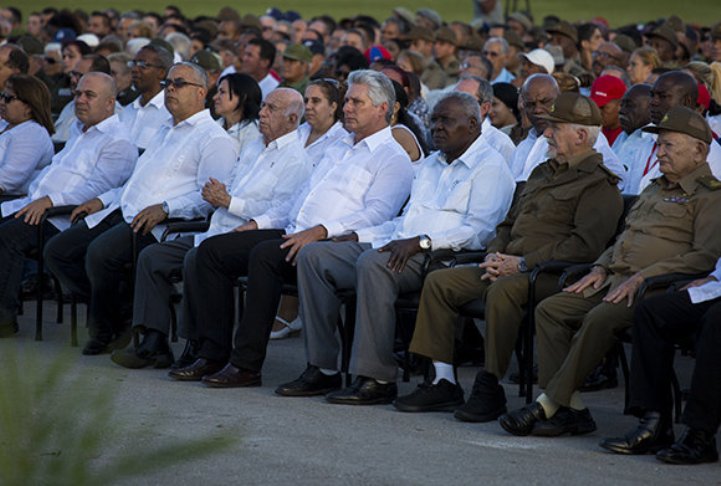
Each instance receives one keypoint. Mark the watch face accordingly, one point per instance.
(425, 243)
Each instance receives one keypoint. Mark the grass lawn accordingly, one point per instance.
(618, 12)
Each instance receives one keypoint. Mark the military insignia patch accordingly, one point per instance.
(676, 199)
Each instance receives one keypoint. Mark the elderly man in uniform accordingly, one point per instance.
(568, 210)
(660, 323)
(670, 229)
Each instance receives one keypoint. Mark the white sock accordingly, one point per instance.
(444, 371)
(576, 401)
(328, 372)
(550, 407)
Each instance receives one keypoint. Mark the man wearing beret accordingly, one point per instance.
(568, 210)
(296, 60)
(672, 228)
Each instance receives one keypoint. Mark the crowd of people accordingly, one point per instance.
(337, 156)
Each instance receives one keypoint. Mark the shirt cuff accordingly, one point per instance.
(263, 222)
(364, 236)
(236, 206)
(334, 229)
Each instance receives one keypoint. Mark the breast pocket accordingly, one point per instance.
(457, 198)
(671, 221)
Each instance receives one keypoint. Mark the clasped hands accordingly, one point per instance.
(499, 265)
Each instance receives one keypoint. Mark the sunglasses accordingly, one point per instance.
(178, 83)
(142, 65)
(7, 98)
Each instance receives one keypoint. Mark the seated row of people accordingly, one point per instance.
(328, 224)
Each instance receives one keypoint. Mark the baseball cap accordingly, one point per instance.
(572, 107)
(377, 52)
(540, 57)
(207, 60)
(683, 120)
(607, 88)
(298, 52)
(315, 47)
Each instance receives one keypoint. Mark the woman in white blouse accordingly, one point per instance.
(238, 103)
(25, 145)
(322, 127)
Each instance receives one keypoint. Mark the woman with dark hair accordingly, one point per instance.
(73, 51)
(504, 112)
(405, 130)
(322, 127)
(238, 104)
(590, 38)
(25, 145)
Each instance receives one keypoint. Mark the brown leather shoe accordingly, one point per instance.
(196, 371)
(231, 377)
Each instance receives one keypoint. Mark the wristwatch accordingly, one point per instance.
(166, 208)
(522, 267)
(424, 242)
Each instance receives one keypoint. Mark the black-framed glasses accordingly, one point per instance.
(7, 98)
(142, 64)
(178, 83)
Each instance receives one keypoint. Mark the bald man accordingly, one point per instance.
(167, 181)
(99, 157)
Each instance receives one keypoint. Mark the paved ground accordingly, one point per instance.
(307, 441)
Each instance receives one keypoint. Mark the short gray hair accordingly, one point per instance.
(485, 89)
(295, 105)
(164, 56)
(200, 74)
(380, 88)
(468, 103)
(592, 132)
(499, 40)
(181, 43)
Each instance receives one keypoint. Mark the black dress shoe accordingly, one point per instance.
(565, 421)
(96, 346)
(311, 383)
(693, 447)
(487, 401)
(197, 370)
(443, 396)
(651, 435)
(189, 356)
(364, 391)
(232, 377)
(153, 351)
(521, 421)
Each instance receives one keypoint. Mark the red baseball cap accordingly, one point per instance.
(607, 88)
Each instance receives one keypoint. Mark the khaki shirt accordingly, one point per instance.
(567, 211)
(433, 75)
(299, 86)
(452, 70)
(671, 228)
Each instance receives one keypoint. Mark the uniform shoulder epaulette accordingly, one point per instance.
(709, 182)
(613, 177)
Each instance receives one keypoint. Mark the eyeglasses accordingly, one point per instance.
(142, 64)
(178, 83)
(491, 54)
(7, 98)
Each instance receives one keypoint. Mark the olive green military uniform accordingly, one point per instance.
(452, 70)
(299, 86)
(672, 228)
(433, 75)
(567, 211)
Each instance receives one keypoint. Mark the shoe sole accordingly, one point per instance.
(672, 460)
(250, 384)
(377, 401)
(631, 452)
(308, 393)
(464, 416)
(540, 431)
(438, 407)
(136, 363)
(512, 430)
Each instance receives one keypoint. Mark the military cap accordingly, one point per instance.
(405, 15)
(298, 52)
(522, 19)
(446, 34)
(626, 43)
(417, 33)
(684, 120)
(564, 28)
(664, 32)
(572, 107)
(207, 60)
(431, 15)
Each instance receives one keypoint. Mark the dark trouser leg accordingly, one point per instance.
(267, 271)
(444, 292)
(188, 327)
(153, 287)
(65, 253)
(106, 264)
(660, 322)
(16, 238)
(703, 409)
(219, 261)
